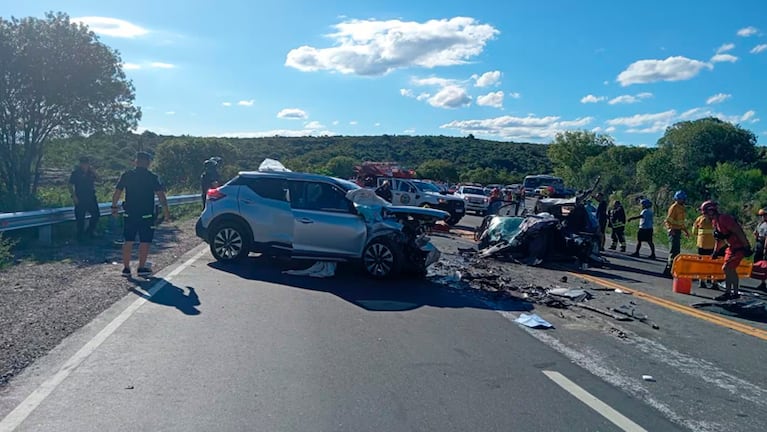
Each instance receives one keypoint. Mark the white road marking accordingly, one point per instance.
(26, 407)
(592, 402)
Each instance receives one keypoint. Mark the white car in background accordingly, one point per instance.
(474, 197)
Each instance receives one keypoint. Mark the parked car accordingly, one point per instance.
(424, 194)
(308, 216)
(475, 199)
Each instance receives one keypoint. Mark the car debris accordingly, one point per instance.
(648, 378)
(533, 321)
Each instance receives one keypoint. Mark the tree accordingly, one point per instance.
(56, 80)
(569, 151)
(341, 167)
(179, 161)
(617, 168)
(438, 169)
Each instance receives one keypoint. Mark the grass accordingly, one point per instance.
(6, 251)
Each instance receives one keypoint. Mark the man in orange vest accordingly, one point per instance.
(675, 225)
(727, 229)
(704, 232)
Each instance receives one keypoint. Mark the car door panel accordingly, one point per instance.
(271, 220)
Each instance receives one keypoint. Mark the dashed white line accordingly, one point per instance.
(26, 407)
(592, 402)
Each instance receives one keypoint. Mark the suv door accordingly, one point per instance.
(407, 194)
(264, 205)
(326, 223)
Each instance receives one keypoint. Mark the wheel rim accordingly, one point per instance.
(379, 259)
(228, 243)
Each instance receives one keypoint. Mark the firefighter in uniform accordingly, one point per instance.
(675, 225)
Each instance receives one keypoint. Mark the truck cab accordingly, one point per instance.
(410, 192)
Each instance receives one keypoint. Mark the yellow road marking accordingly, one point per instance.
(687, 310)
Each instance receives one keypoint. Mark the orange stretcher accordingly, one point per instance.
(705, 267)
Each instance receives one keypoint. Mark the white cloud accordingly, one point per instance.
(434, 81)
(353, 122)
(451, 96)
(170, 112)
(610, 129)
(372, 47)
(515, 95)
(748, 31)
(590, 98)
(629, 99)
(605, 82)
(314, 125)
(518, 128)
(131, 66)
(725, 47)
(406, 92)
(226, 104)
(409, 131)
(292, 114)
(492, 99)
(718, 98)
(645, 123)
(423, 96)
(719, 58)
(111, 26)
(671, 69)
(161, 65)
(487, 79)
(335, 123)
(758, 49)
(246, 103)
(748, 115)
(377, 124)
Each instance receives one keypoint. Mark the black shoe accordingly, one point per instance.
(623, 248)
(652, 257)
(702, 285)
(762, 287)
(126, 272)
(635, 255)
(143, 271)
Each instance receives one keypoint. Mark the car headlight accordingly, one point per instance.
(465, 198)
(441, 200)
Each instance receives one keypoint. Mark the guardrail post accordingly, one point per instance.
(45, 234)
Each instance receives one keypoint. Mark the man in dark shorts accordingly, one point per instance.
(601, 218)
(83, 190)
(140, 186)
(645, 233)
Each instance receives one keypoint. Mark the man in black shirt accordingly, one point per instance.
(83, 190)
(602, 218)
(209, 178)
(140, 186)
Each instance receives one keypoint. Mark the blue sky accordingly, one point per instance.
(505, 70)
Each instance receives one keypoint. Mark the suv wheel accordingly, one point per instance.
(453, 220)
(229, 242)
(382, 258)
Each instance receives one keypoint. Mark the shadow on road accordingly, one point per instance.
(352, 285)
(185, 300)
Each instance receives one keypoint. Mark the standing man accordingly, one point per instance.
(618, 225)
(727, 229)
(384, 191)
(82, 188)
(209, 178)
(646, 232)
(761, 241)
(704, 232)
(140, 186)
(601, 218)
(675, 225)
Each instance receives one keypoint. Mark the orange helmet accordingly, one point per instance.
(709, 205)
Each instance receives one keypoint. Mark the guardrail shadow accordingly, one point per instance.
(350, 284)
(185, 300)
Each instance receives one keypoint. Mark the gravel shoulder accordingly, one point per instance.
(52, 292)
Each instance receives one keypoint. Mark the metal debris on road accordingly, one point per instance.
(576, 295)
(648, 378)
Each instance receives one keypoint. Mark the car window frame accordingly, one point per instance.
(335, 188)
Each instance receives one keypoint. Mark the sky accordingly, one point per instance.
(505, 70)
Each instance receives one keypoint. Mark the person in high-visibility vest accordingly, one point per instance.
(675, 225)
(618, 225)
(703, 230)
(727, 229)
(760, 235)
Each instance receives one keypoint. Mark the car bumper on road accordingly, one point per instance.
(475, 207)
(201, 231)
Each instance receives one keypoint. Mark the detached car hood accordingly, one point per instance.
(418, 212)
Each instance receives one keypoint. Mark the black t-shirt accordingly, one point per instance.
(207, 178)
(84, 183)
(139, 185)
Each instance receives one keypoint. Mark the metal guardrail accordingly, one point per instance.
(45, 218)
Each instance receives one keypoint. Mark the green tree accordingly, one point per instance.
(56, 80)
(341, 167)
(179, 161)
(569, 151)
(616, 167)
(438, 169)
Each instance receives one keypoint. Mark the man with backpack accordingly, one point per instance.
(209, 178)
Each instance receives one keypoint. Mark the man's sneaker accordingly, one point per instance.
(126, 272)
(635, 255)
(652, 257)
(143, 271)
(727, 296)
(623, 248)
(613, 246)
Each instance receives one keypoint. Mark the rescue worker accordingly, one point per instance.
(601, 218)
(645, 233)
(495, 201)
(618, 225)
(209, 178)
(704, 233)
(675, 225)
(760, 234)
(384, 191)
(727, 229)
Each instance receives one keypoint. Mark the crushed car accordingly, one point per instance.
(308, 216)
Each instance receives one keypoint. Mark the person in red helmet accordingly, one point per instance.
(727, 229)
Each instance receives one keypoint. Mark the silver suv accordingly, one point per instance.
(307, 216)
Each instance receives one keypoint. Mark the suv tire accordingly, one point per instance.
(229, 241)
(382, 259)
(453, 220)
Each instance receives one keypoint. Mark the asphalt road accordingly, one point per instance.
(245, 347)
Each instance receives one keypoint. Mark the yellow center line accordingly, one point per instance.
(687, 310)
